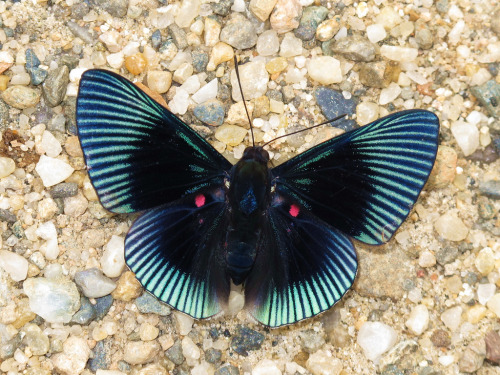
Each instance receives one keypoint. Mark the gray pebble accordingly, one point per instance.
(149, 304)
(488, 95)
(7, 348)
(71, 61)
(355, 47)
(222, 7)
(490, 188)
(117, 8)
(93, 283)
(246, 339)
(64, 190)
(57, 123)
(6, 215)
(156, 39)
(210, 112)
(213, 355)
(37, 341)
(311, 341)
(288, 94)
(227, 370)
(102, 306)
(32, 61)
(81, 32)
(80, 10)
(333, 104)
(424, 38)
(4, 115)
(311, 18)
(239, 32)
(372, 74)
(37, 75)
(174, 353)
(86, 313)
(178, 35)
(442, 6)
(54, 87)
(101, 355)
(200, 60)
(275, 95)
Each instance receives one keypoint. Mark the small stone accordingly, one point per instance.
(55, 300)
(36, 340)
(424, 38)
(221, 52)
(148, 332)
(200, 61)
(268, 43)
(238, 116)
(426, 259)
(102, 306)
(159, 81)
(473, 357)
(485, 292)
(492, 341)
(93, 283)
(64, 190)
(325, 70)
(148, 304)
(266, 367)
(210, 112)
(14, 264)
(231, 135)
(261, 106)
(446, 255)
(332, 104)
(312, 16)
(101, 355)
(117, 8)
(327, 29)
(262, 8)
(285, 15)
(50, 144)
(183, 323)
(81, 32)
(246, 339)
(376, 32)
(86, 313)
(444, 170)
(356, 48)
(452, 318)
(72, 147)
(366, 112)
(174, 353)
(74, 357)
(183, 73)
(116, 60)
(7, 166)
(180, 101)
(136, 63)
(239, 32)
(113, 257)
(388, 17)
(75, 206)
(178, 35)
(490, 189)
(290, 46)
(212, 31)
(488, 94)
(21, 97)
(389, 94)
(254, 79)
(48, 232)
(396, 53)
(187, 12)
(485, 261)
(54, 87)
(189, 349)
(375, 339)
(7, 216)
(156, 39)
(139, 352)
(223, 7)
(494, 304)
(127, 287)
(419, 320)
(466, 135)
(322, 363)
(311, 341)
(373, 74)
(276, 65)
(441, 338)
(450, 227)
(213, 355)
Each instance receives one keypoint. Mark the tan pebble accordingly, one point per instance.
(157, 97)
(4, 80)
(72, 146)
(148, 332)
(231, 135)
(212, 31)
(485, 261)
(136, 64)
(327, 29)
(127, 287)
(443, 172)
(166, 341)
(261, 106)
(237, 114)
(476, 313)
(21, 97)
(262, 8)
(276, 65)
(159, 81)
(285, 15)
(221, 52)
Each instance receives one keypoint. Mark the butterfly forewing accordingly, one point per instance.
(365, 182)
(175, 252)
(139, 155)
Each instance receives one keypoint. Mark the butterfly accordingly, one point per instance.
(284, 233)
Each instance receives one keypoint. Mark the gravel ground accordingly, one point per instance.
(426, 303)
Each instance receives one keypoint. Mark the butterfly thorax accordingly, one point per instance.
(248, 199)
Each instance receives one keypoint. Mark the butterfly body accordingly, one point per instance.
(283, 232)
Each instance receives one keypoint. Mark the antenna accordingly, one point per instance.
(303, 130)
(242, 97)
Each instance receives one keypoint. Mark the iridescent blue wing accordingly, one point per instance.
(303, 266)
(139, 155)
(365, 182)
(175, 252)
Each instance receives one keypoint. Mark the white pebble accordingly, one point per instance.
(6, 57)
(290, 46)
(452, 318)
(268, 43)
(389, 94)
(375, 339)
(485, 292)
(113, 257)
(207, 92)
(266, 367)
(7, 166)
(322, 363)
(254, 79)
(115, 60)
(14, 264)
(48, 232)
(466, 135)
(376, 33)
(419, 320)
(111, 40)
(52, 171)
(455, 35)
(189, 349)
(191, 85)
(180, 102)
(396, 53)
(72, 360)
(325, 70)
(183, 323)
(427, 259)
(50, 144)
(236, 300)
(366, 112)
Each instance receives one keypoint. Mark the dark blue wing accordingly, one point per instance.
(139, 155)
(303, 266)
(175, 252)
(366, 181)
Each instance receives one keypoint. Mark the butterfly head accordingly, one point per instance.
(256, 153)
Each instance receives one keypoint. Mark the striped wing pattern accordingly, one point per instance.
(175, 252)
(304, 267)
(366, 181)
(139, 155)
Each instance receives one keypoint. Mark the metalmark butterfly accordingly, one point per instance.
(283, 232)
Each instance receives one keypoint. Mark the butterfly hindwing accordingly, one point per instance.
(365, 182)
(175, 252)
(139, 155)
(303, 266)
